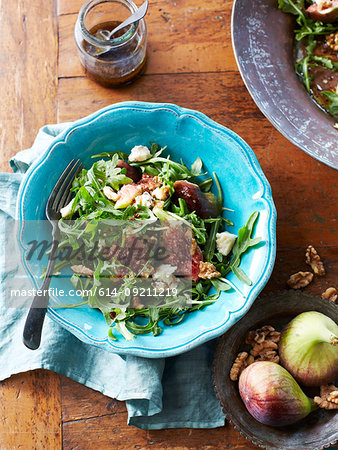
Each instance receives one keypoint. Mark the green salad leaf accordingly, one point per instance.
(90, 206)
(333, 98)
(308, 31)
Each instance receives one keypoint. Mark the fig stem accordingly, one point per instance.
(314, 406)
(325, 335)
(333, 339)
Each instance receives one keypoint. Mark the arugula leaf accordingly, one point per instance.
(220, 192)
(241, 276)
(312, 28)
(220, 286)
(196, 167)
(288, 6)
(206, 184)
(210, 245)
(121, 155)
(326, 62)
(114, 177)
(302, 69)
(242, 244)
(333, 98)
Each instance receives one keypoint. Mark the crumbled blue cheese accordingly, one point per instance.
(164, 277)
(145, 200)
(82, 270)
(139, 153)
(161, 193)
(66, 210)
(225, 241)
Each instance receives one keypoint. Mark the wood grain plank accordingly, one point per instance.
(30, 405)
(73, 6)
(28, 78)
(105, 420)
(112, 431)
(303, 188)
(189, 36)
(80, 402)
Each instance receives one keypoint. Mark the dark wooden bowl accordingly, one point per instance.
(320, 428)
(262, 37)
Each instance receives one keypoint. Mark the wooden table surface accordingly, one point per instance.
(191, 64)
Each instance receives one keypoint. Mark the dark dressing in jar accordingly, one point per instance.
(111, 60)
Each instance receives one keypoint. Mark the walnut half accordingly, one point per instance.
(332, 41)
(330, 294)
(300, 280)
(313, 259)
(328, 397)
(238, 366)
(208, 271)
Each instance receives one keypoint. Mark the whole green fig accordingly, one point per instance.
(308, 349)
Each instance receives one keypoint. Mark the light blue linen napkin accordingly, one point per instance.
(160, 393)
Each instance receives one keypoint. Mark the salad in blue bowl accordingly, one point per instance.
(147, 163)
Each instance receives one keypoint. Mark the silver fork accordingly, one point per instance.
(59, 197)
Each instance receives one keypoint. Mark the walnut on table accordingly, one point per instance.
(328, 397)
(313, 259)
(300, 280)
(208, 271)
(330, 294)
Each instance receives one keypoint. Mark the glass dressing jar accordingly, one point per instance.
(110, 60)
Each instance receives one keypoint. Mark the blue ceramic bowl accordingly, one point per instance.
(187, 134)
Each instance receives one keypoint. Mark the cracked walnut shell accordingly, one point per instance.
(300, 280)
(330, 294)
(313, 259)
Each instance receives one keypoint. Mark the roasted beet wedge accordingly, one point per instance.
(326, 15)
(135, 173)
(205, 204)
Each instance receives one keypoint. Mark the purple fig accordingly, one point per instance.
(133, 172)
(327, 15)
(308, 348)
(205, 204)
(272, 396)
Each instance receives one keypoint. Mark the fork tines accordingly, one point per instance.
(61, 194)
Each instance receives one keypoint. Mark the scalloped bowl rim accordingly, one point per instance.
(266, 197)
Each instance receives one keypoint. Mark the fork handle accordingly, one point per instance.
(37, 312)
